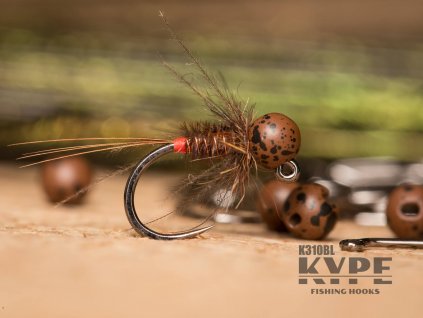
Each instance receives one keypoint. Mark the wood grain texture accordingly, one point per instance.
(86, 262)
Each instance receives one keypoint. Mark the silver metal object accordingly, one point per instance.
(359, 245)
(363, 184)
(148, 160)
(223, 216)
(290, 177)
(242, 217)
(371, 219)
(129, 193)
(367, 172)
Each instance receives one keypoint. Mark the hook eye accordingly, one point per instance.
(288, 172)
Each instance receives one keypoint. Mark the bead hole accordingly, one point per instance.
(295, 219)
(410, 209)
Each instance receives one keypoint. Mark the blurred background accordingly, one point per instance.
(349, 72)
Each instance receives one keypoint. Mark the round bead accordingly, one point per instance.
(307, 214)
(62, 179)
(404, 212)
(274, 140)
(270, 202)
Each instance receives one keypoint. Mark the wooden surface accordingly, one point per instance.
(86, 262)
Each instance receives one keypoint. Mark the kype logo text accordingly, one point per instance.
(325, 273)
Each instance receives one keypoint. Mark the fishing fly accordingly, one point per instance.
(240, 142)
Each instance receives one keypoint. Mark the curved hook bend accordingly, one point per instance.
(129, 193)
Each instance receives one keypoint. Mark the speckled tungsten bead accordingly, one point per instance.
(271, 200)
(62, 179)
(404, 211)
(307, 213)
(274, 140)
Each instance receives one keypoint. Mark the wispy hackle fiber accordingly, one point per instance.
(225, 139)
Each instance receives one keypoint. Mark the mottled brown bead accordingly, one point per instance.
(274, 140)
(404, 211)
(271, 200)
(307, 213)
(62, 179)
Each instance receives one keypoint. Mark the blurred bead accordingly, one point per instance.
(307, 214)
(274, 140)
(63, 178)
(404, 212)
(271, 200)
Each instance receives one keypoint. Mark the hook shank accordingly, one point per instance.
(359, 245)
